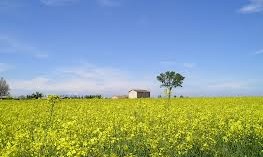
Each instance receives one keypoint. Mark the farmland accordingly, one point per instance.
(142, 127)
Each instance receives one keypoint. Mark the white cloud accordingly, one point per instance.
(254, 6)
(189, 65)
(4, 67)
(228, 85)
(104, 3)
(259, 52)
(40, 55)
(108, 81)
(11, 46)
(168, 63)
(57, 2)
(174, 63)
(84, 79)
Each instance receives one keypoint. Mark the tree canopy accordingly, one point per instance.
(170, 80)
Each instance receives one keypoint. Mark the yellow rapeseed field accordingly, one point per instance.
(223, 127)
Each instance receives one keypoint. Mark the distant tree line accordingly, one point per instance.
(81, 96)
(175, 96)
(36, 95)
(39, 95)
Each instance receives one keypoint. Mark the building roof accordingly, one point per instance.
(139, 90)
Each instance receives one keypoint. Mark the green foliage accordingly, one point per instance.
(82, 97)
(170, 80)
(224, 127)
(53, 99)
(36, 95)
(92, 96)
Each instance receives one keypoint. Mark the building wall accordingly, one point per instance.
(143, 95)
(132, 95)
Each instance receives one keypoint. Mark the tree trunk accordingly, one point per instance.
(169, 92)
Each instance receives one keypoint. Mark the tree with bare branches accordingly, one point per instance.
(4, 88)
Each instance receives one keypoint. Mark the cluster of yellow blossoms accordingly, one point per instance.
(143, 127)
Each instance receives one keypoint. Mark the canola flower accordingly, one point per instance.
(143, 127)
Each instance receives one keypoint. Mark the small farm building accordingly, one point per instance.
(139, 93)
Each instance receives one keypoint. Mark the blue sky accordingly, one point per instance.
(110, 46)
